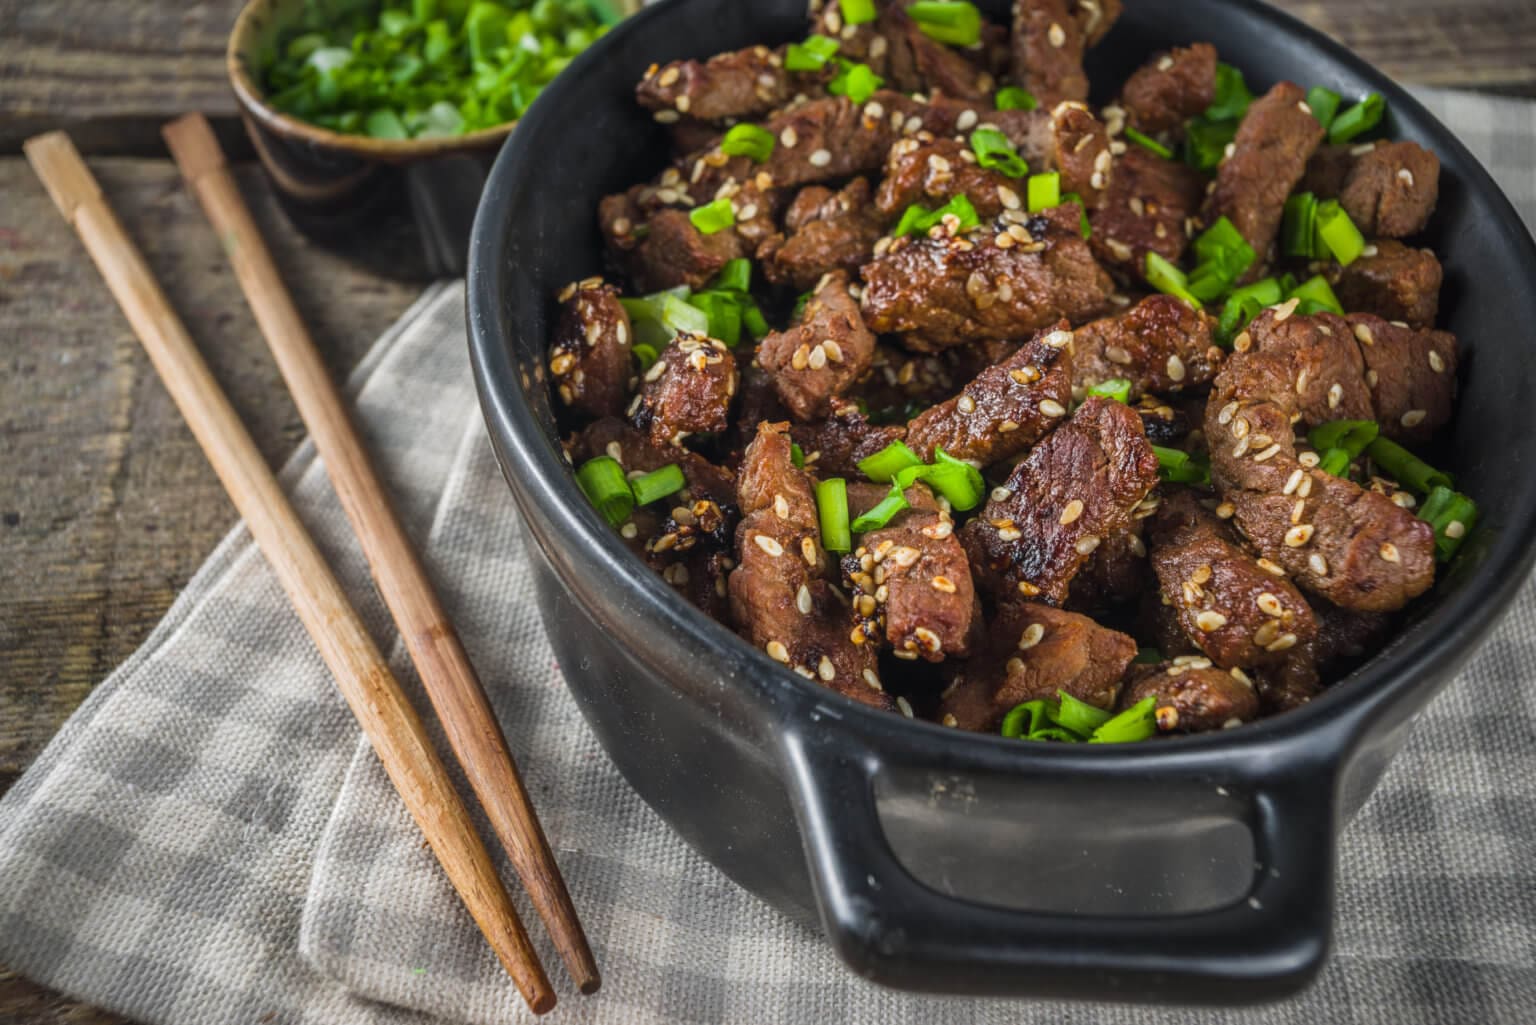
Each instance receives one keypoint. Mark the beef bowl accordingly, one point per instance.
(1196, 868)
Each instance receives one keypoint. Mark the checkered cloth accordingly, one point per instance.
(208, 840)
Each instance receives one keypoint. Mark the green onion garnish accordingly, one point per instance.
(1232, 95)
(995, 152)
(668, 480)
(1011, 97)
(602, 481)
(1044, 191)
(881, 514)
(1206, 141)
(811, 55)
(1316, 296)
(958, 481)
(1243, 305)
(1023, 720)
(1406, 468)
(1179, 467)
(1298, 226)
(646, 354)
(797, 455)
(713, 216)
(1350, 435)
(1082, 218)
(1334, 461)
(1117, 388)
(678, 315)
(1139, 722)
(858, 82)
(1147, 656)
(1453, 515)
(748, 141)
(948, 21)
(655, 317)
(1077, 716)
(1223, 256)
(1167, 278)
(1146, 142)
(1360, 118)
(1324, 104)
(885, 464)
(832, 510)
(917, 219)
(736, 275)
(722, 311)
(857, 12)
(1072, 721)
(1338, 233)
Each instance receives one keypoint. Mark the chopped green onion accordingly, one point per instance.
(1317, 295)
(1334, 461)
(1167, 278)
(1044, 191)
(602, 481)
(1298, 226)
(1146, 142)
(1223, 256)
(1147, 656)
(1324, 104)
(885, 464)
(1206, 141)
(1117, 388)
(486, 29)
(1406, 468)
(832, 509)
(748, 141)
(1357, 120)
(1243, 305)
(917, 219)
(736, 275)
(949, 21)
(1023, 720)
(801, 302)
(1338, 233)
(880, 515)
(1077, 716)
(797, 455)
(1083, 226)
(713, 216)
(958, 481)
(385, 124)
(1453, 515)
(668, 480)
(649, 316)
(811, 55)
(1139, 722)
(1232, 95)
(679, 316)
(995, 152)
(646, 354)
(1011, 97)
(1350, 435)
(857, 12)
(1179, 467)
(858, 82)
(722, 311)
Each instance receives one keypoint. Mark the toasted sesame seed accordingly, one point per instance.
(1225, 510)
(1455, 530)
(1240, 449)
(1298, 535)
(1435, 362)
(1115, 354)
(817, 358)
(803, 600)
(1335, 395)
(1317, 564)
(1175, 368)
(1266, 633)
(1202, 574)
(1028, 589)
(966, 404)
(1052, 408)
(789, 137)
(777, 651)
(966, 121)
(1309, 459)
(1363, 333)
(1414, 417)
(1031, 636)
(1281, 643)
(1240, 427)
(1227, 412)
(629, 531)
(657, 369)
(808, 552)
(825, 669)
(1001, 494)
(1405, 176)
(1269, 605)
(1057, 35)
(1298, 510)
(905, 706)
(1303, 107)
(1208, 621)
(768, 545)
(1272, 568)
(1285, 309)
(1087, 545)
(821, 158)
(873, 680)
(1243, 342)
(1071, 512)
(1388, 551)
(1293, 481)
(666, 117)
(1058, 339)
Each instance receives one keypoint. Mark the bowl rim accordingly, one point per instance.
(1325, 729)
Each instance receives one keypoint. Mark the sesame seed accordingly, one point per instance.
(1363, 333)
(789, 137)
(966, 404)
(1027, 589)
(1269, 605)
(1073, 510)
(1414, 417)
(966, 121)
(777, 651)
(825, 669)
(1309, 459)
(1115, 354)
(1087, 545)
(1285, 309)
(808, 552)
(1281, 643)
(1052, 408)
(1303, 107)
(1293, 481)
(1175, 368)
(817, 358)
(1266, 633)
(1240, 449)
(905, 706)
(1243, 342)
(1388, 552)
(1298, 510)
(1031, 636)
(768, 545)
(629, 531)
(1405, 176)
(1317, 564)
(666, 117)
(1298, 535)
(1058, 339)
(1455, 530)
(1166, 63)
(1267, 453)
(1435, 362)
(821, 158)
(1225, 510)
(1057, 35)
(1335, 395)
(1001, 494)
(657, 369)
(1208, 621)
(1240, 427)
(873, 680)
(1202, 574)
(1227, 412)
(803, 600)
(1272, 568)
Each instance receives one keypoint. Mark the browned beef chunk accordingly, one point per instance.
(1393, 281)
(903, 383)
(932, 173)
(1391, 190)
(1194, 696)
(1351, 546)
(1328, 169)
(1165, 424)
(1032, 651)
(1324, 362)
(1077, 487)
(1160, 345)
(1144, 211)
(1411, 374)
(910, 581)
(781, 598)
(1095, 17)
(1287, 686)
(997, 282)
(917, 63)
(1170, 89)
(590, 360)
(823, 354)
(1269, 157)
(688, 390)
(1007, 408)
(834, 446)
(1239, 610)
(739, 84)
(829, 231)
(1343, 635)
(1048, 51)
(673, 252)
(1078, 147)
(1115, 573)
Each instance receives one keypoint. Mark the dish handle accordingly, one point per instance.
(892, 929)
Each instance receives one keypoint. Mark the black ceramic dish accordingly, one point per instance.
(1191, 869)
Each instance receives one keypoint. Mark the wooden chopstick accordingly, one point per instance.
(371, 690)
(454, 689)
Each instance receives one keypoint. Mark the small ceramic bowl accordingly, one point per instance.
(404, 207)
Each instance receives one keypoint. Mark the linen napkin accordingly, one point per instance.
(208, 839)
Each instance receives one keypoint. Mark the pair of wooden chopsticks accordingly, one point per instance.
(381, 707)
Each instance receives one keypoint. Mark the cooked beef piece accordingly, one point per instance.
(1170, 89)
(1353, 547)
(781, 597)
(1157, 623)
(1006, 408)
(917, 63)
(1165, 424)
(827, 231)
(1411, 374)
(1048, 51)
(932, 173)
(909, 581)
(1114, 574)
(1269, 156)
(673, 252)
(1032, 651)
(1324, 362)
(1144, 210)
(1344, 634)
(689, 135)
(834, 446)
(1095, 17)
(590, 360)
(997, 282)
(757, 400)
(1159, 345)
(1393, 281)
(823, 354)
(613, 437)
(902, 383)
(1391, 189)
(1194, 696)
(1077, 487)
(688, 390)
(739, 84)
(1288, 685)
(1239, 610)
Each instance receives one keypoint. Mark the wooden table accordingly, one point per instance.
(106, 505)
